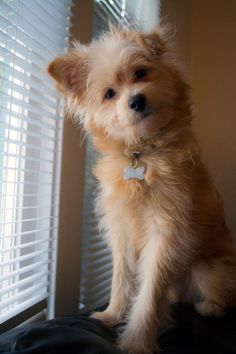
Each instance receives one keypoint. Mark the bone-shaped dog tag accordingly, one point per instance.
(134, 173)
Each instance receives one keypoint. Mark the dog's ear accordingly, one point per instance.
(70, 72)
(154, 43)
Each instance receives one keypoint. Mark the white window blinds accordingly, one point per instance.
(96, 257)
(138, 14)
(31, 34)
(96, 267)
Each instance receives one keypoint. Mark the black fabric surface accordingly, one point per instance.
(190, 333)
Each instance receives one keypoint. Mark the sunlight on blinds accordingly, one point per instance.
(140, 14)
(31, 34)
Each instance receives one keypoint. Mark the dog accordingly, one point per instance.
(158, 207)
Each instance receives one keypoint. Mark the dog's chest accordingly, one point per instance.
(136, 219)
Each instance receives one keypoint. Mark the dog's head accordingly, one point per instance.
(124, 84)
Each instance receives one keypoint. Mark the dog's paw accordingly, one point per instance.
(107, 317)
(209, 308)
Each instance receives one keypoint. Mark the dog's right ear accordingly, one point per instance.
(70, 72)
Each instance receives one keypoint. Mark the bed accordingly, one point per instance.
(189, 333)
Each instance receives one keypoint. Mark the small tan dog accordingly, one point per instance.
(159, 209)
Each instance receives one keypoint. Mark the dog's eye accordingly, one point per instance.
(139, 74)
(110, 94)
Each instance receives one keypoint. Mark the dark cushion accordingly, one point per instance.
(189, 333)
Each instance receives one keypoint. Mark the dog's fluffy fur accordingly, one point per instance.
(167, 233)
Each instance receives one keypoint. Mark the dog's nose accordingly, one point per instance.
(137, 102)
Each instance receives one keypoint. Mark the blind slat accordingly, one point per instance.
(15, 142)
(49, 152)
(32, 10)
(25, 208)
(26, 158)
(31, 106)
(23, 90)
(33, 231)
(22, 222)
(56, 10)
(34, 82)
(38, 33)
(90, 282)
(98, 255)
(28, 233)
(28, 118)
(60, 18)
(95, 269)
(24, 282)
(23, 294)
(28, 170)
(102, 293)
(23, 270)
(25, 257)
(35, 299)
(96, 287)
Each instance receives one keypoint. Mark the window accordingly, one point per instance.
(96, 257)
(31, 34)
(141, 14)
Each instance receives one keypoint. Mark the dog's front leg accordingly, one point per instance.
(159, 262)
(122, 283)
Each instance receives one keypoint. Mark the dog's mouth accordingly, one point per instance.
(139, 117)
(146, 114)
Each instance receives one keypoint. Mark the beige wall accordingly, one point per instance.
(177, 15)
(206, 37)
(213, 70)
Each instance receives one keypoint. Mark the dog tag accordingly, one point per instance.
(134, 173)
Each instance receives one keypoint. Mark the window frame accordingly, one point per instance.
(72, 188)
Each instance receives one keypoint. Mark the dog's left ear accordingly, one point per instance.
(153, 43)
(70, 71)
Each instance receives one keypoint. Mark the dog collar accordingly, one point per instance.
(135, 171)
